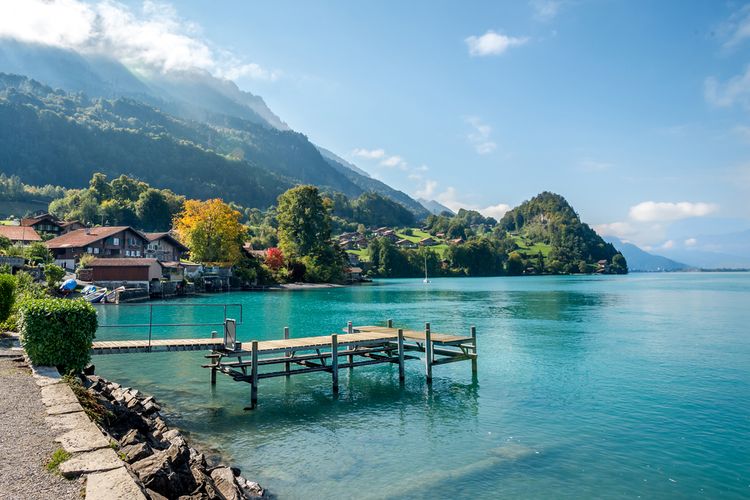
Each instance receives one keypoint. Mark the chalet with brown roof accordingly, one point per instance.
(20, 235)
(164, 247)
(404, 243)
(48, 223)
(114, 242)
(427, 242)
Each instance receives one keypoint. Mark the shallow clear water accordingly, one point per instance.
(587, 387)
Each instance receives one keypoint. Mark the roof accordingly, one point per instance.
(30, 221)
(124, 262)
(354, 270)
(172, 264)
(167, 235)
(20, 233)
(83, 237)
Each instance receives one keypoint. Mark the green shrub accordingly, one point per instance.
(58, 332)
(54, 275)
(7, 295)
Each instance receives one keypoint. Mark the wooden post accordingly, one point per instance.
(389, 323)
(254, 376)
(474, 341)
(335, 362)
(350, 329)
(401, 372)
(428, 353)
(287, 365)
(213, 375)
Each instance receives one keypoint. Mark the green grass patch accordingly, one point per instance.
(531, 249)
(90, 404)
(58, 457)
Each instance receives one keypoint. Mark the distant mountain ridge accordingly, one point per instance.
(641, 261)
(435, 207)
(190, 110)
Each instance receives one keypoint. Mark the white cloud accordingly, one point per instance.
(545, 10)
(479, 136)
(622, 230)
(369, 154)
(691, 242)
(394, 161)
(651, 211)
(735, 91)
(668, 244)
(427, 190)
(152, 39)
(492, 44)
(495, 211)
(737, 28)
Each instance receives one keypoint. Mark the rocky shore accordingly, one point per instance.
(160, 457)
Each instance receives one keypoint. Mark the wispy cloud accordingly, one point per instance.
(492, 44)
(152, 38)
(480, 136)
(394, 161)
(736, 29)
(369, 154)
(736, 90)
(545, 10)
(589, 165)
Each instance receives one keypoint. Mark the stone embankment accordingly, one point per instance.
(159, 456)
(134, 454)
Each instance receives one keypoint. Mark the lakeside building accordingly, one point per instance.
(20, 235)
(164, 247)
(114, 242)
(48, 223)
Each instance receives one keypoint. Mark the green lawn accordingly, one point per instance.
(531, 249)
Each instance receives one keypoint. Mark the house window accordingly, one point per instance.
(115, 241)
(89, 250)
(96, 250)
(127, 253)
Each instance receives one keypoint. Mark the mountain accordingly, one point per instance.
(707, 259)
(150, 124)
(641, 261)
(548, 219)
(435, 207)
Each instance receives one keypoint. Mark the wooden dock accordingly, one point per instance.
(360, 346)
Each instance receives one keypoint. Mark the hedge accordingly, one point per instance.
(58, 332)
(7, 295)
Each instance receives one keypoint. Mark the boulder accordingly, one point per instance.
(117, 483)
(132, 437)
(155, 472)
(250, 489)
(136, 452)
(223, 478)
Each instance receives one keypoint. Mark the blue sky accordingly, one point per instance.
(636, 112)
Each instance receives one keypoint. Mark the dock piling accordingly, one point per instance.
(389, 323)
(474, 350)
(428, 353)
(335, 362)
(287, 365)
(254, 376)
(401, 371)
(350, 330)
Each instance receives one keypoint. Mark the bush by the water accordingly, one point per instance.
(58, 332)
(7, 295)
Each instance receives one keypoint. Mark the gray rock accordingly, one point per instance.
(223, 478)
(64, 408)
(132, 437)
(136, 452)
(58, 394)
(154, 495)
(67, 421)
(117, 483)
(155, 472)
(250, 489)
(84, 438)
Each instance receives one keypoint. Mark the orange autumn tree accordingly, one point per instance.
(211, 230)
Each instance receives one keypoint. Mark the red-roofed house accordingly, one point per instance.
(115, 241)
(164, 247)
(20, 235)
(48, 223)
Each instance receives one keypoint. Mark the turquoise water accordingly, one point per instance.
(596, 386)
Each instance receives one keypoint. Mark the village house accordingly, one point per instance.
(20, 235)
(427, 242)
(353, 274)
(164, 247)
(404, 243)
(114, 242)
(48, 223)
(456, 241)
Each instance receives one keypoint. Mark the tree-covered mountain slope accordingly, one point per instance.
(549, 219)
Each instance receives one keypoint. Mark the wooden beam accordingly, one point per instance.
(350, 330)
(474, 341)
(287, 354)
(254, 376)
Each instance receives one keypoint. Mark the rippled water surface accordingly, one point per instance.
(587, 387)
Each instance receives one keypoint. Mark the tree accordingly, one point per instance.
(304, 223)
(37, 253)
(100, 187)
(5, 243)
(212, 230)
(619, 264)
(53, 274)
(274, 258)
(153, 211)
(515, 264)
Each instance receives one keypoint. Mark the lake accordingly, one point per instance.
(588, 386)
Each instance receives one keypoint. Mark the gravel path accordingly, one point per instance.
(26, 443)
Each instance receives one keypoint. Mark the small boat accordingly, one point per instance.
(88, 289)
(111, 297)
(68, 285)
(96, 296)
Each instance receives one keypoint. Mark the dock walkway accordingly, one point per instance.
(359, 346)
